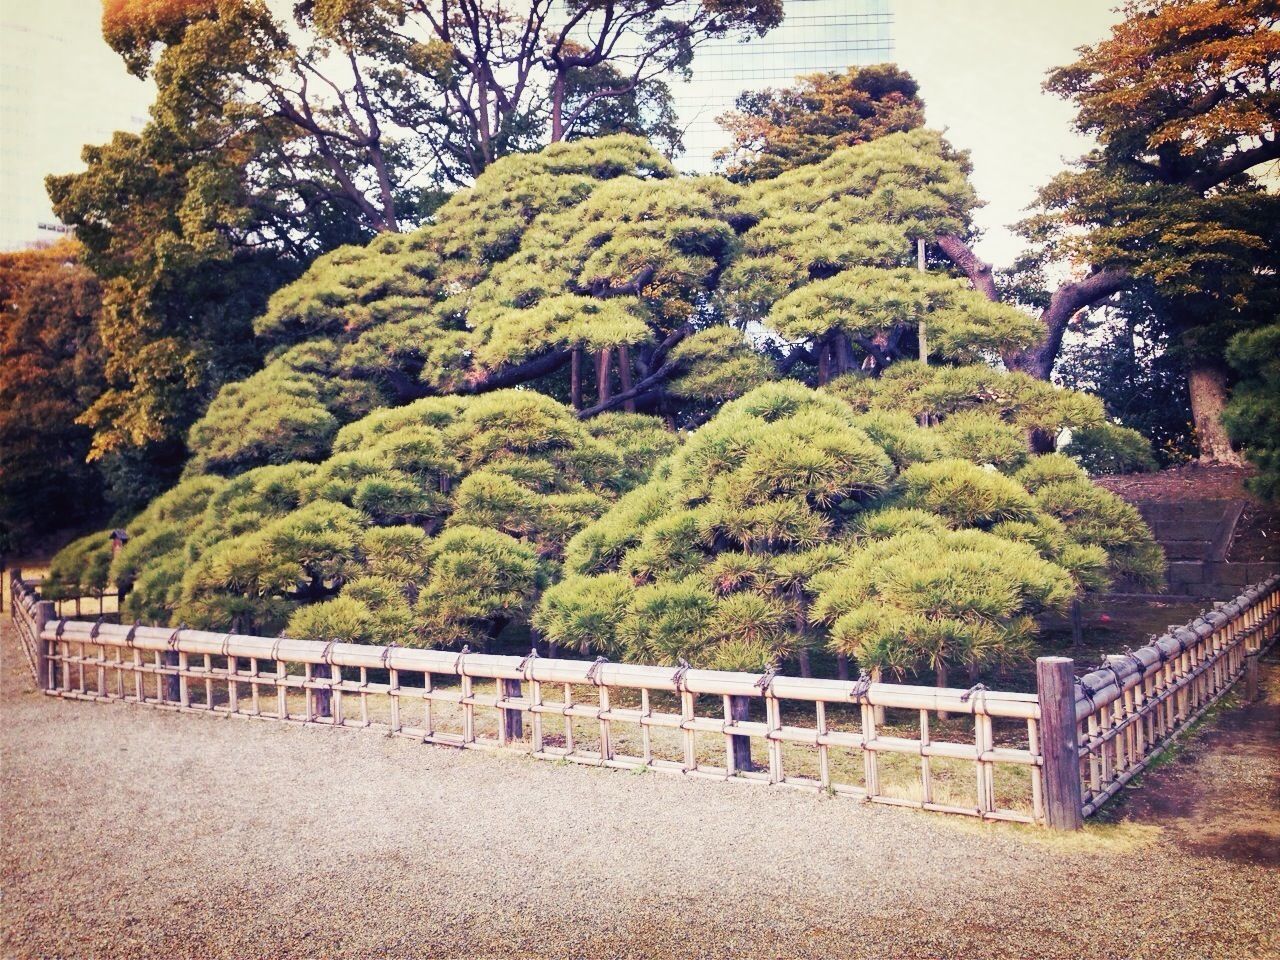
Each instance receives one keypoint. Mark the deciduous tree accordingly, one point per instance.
(775, 130)
(1183, 99)
(50, 370)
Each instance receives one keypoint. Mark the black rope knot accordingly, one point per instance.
(861, 687)
(133, 630)
(458, 664)
(1088, 693)
(93, 631)
(386, 653)
(964, 697)
(593, 671)
(766, 680)
(526, 663)
(677, 678)
(173, 637)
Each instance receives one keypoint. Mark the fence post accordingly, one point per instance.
(322, 699)
(1059, 743)
(739, 708)
(14, 577)
(512, 719)
(44, 612)
(1251, 676)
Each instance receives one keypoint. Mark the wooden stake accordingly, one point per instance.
(741, 746)
(512, 719)
(1059, 743)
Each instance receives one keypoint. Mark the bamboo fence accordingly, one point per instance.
(1075, 743)
(1136, 703)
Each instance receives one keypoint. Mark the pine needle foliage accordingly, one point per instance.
(438, 522)
(785, 524)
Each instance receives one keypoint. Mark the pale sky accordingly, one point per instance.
(980, 64)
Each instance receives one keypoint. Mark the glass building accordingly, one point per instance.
(817, 36)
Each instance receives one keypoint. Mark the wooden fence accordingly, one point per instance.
(1048, 758)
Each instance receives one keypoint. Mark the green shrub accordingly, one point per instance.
(1253, 415)
(1108, 448)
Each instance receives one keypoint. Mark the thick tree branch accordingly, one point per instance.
(1067, 299)
(1070, 297)
(1237, 163)
(974, 267)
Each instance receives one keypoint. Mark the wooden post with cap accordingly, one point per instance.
(1059, 743)
(44, 612)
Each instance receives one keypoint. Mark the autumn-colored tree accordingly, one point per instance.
(50, 370)
(775, 130)
(1183, 99)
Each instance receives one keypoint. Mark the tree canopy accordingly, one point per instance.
(791, 519)
(397, 100)
(439, 520)
(49, 372)
(591, 267)
(775, 130)
(417, 461)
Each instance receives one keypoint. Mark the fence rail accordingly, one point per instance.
(1137, 702)
(1048, 758)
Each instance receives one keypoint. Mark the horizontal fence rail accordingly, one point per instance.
(977, 752)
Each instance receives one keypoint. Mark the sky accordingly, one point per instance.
(980, 64)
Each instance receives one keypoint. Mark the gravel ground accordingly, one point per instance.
(129, 833)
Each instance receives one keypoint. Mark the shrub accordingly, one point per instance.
(1109, 448)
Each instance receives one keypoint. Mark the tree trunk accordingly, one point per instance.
(1208, 386)
(604, 374)
(942, 683)
(624, 376)
(842, 666)
(575, 377)
(802, 658)
(824, 363)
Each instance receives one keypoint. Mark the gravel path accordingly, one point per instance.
(129, 833)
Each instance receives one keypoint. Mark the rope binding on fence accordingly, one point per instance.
(133, 631)
(677, 678)
(526, 664)
(861, 687)
(964, 697)
(765, 683)
(458, 663)
(593, 671)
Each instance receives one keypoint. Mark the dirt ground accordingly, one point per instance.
(129, 832)
(1257, 535)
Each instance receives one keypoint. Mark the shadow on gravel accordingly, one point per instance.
(1218, 792)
